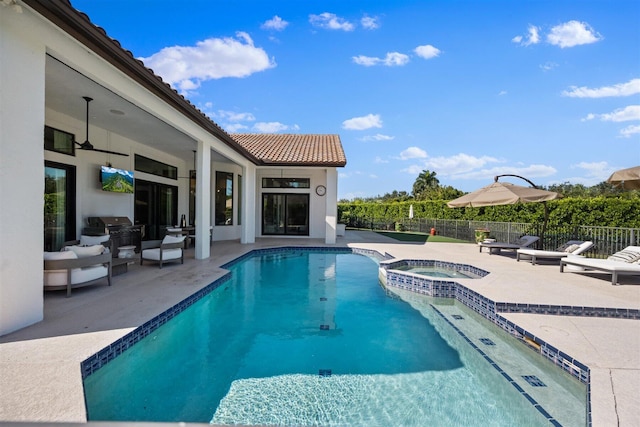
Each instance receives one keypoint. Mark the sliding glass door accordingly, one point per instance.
(286, 214)
(59, 205)
(156, 207)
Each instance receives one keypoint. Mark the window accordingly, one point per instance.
(144, 164)
(286, 183)
(59, 141)
(59, 205)
(240, 185)
(224, 198)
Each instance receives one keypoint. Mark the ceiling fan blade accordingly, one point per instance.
(109, 152)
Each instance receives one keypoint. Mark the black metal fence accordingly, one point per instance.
(607, 240)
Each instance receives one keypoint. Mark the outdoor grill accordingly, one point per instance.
(120, 228)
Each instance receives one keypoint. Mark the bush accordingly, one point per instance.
(597, 211)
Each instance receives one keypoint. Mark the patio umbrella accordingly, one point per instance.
(628, 179)
(504, 193)
(410, 211)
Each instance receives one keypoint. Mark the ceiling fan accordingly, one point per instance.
(86, 145)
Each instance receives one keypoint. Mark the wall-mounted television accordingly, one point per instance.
(116, 180)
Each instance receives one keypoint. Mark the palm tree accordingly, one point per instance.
(426, 181)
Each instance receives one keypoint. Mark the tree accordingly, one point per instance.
(426, 181)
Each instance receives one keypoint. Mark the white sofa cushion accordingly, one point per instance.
(57, 277)
(167, 254)
(86, 251)
(173, 239)
(93, 240)
(54, 256)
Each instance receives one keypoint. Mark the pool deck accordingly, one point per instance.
(40, 378)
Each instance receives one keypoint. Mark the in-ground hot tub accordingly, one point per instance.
(430, 277)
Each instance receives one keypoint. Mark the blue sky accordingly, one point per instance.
(549, 90)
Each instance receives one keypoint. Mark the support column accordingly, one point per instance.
(331, 218)
(249, 214)
(203, 200)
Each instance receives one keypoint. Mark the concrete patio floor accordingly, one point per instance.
(40, 378)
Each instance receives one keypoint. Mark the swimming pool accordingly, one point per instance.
(310, 338)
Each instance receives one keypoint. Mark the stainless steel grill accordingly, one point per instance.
(120, 228)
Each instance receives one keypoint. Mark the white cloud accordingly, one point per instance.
(377, 137)
(233, 116)
(530, 172)
(273, 127)
(276, 23)
(367, 61)
(330, 21)
(369, 23)
(379, 159)
(630, 130)
(572, 33)
(632, 112)
(393, 59)
(631, 87)
(235, 127)
(502, 93)
(457, 164)
(186, 67)
(413, 170)
(532, 37)
(427, 51)
(361, 123)
(548, 66)
(413, 153)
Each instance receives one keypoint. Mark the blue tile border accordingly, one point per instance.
(511, 381)
(393, 264)
(107, 354)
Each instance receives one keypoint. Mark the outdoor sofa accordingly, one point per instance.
(624, 262)
(573, 247)
(497, 247)
(76, 266)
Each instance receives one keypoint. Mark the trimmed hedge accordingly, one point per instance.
(597, 211)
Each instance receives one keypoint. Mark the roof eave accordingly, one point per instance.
(316, 165)
(78, 25)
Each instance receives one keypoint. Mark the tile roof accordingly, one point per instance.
(293, 149)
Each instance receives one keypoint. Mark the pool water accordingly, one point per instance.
(435, 272)
(310, 338)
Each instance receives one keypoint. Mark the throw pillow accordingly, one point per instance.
(86, 251)
(625, 255)
(571, 248)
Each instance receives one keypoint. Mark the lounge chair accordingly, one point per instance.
(624, 262)
(497, 247)
(574, 247)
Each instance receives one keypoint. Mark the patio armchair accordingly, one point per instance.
(572, 247)
(171, 248)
